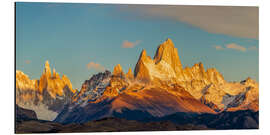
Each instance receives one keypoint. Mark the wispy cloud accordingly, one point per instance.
(234, 21)
(128, 44)
(236, 47)
(27, 61)
(95, 66)
(218, 47)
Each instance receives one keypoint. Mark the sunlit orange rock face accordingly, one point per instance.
(53, 83)
(130, 75)
(48, 81)
(117, 71)
(168, 53)
(41, 95)
(159, 101)
(141, 70)
(23, 83)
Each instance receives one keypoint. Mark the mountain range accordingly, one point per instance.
(158, 87)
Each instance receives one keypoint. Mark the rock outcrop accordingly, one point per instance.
(93, 88)
(24, 114)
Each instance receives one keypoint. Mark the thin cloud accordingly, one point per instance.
(236, 47)
(218, 47)
(95, 66)
(128, 44)
(27, 62)
(229, 20)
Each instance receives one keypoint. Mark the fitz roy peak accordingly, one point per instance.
(166, 64)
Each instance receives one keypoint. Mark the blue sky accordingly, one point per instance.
(80, 40)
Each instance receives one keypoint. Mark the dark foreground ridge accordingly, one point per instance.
(123, 122)
(103, 125)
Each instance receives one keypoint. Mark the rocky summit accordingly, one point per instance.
(46, 96)
(157, 88)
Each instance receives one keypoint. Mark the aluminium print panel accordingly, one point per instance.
(116, 67)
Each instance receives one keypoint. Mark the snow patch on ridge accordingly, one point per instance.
(94, 88)
(162, 70)
(42, 111)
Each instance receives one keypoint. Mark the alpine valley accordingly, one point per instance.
(160, 94)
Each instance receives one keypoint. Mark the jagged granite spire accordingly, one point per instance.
(129, 74)
(141, 71)
(168, 53)
(47, 69)
(118, 71)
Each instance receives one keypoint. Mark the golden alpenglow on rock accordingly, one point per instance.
(129, 74)
(168, 53)
(142, 72)
(117, 71)
(45, 96)
(53, 83)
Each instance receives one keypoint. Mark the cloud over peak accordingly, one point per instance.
(128, 44)
(95, 66)
(218, 47)
(236, 47)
